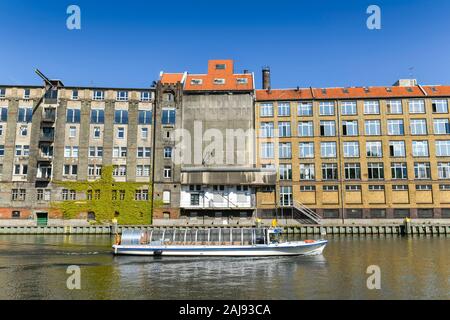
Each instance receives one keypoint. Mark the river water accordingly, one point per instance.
(34, 267)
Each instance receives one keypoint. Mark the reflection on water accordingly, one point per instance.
(34, 267)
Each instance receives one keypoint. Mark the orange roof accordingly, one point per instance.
(352, 93)
(171, 77)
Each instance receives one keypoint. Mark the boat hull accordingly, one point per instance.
(281, 249)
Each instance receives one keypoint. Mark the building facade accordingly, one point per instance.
(211, 146)
(351, 153)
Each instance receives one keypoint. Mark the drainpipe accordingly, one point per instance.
(341, 164)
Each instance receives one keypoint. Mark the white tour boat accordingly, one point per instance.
(213, 242)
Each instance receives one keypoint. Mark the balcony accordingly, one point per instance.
(49, 115)
(44, 158)
(43, 178)
(47, 137)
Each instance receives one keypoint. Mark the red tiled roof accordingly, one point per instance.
(351, 93)
(208, 84)
(171, 77)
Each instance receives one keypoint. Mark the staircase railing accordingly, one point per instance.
(307, 212)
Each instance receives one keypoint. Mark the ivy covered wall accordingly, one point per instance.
(108, 199)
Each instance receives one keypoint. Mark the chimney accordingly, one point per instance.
(266, 78)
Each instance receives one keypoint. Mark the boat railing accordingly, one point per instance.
(188, 236)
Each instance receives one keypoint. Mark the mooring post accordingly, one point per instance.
(407, 226)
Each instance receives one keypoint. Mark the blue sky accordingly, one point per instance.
(306, 43)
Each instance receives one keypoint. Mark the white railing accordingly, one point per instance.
(307, 211)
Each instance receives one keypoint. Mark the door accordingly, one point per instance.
(42, 218)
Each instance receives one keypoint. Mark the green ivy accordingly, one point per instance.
(109, 200)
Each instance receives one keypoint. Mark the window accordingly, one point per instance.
(70, 170)
(397, 148)
(372, 127)
(142, 170)
(444, 187)
(353, 187)
(122, 96)
(401, 213)
(327, 128)
(444, 170)
(166, 197)
(374, 149)
(121, 117)
(1, 129)
(439, 106)
(350, 128)
(71, 152)
(145, 117)
(399, 187)
(418, 126)
(376, 187)
(371, 107)
(351, 149)
(120, 133)
(329, 171)
(326, 108)
(23, 130)
(119, 152)
(68, 194)
(284, 109)
(98, 95)
(399, 170)
(24, 114)
(97, 132)
(18, 194)
(420, 148)
(20, 169)
(306, 149)
(443, 148)
(305, 129)
(119, 170)
(307, 171)
(2, 150)
(74, 95)
(4, 114)
(73, 116)
(441, 126)
(167, 152)
(146, 96)
(167, 172)
(196, 82)
(348, 108)
(422, 170)
(353, 213)
(330, 188)
(284, 150)
(266, 110)
(141, 195)
(394, 107)
(144, 152)
(395, 128)
(285, 172)
(97, 116)
(241, 80)
(43, 194)
(307, 188)
(352, 171)
(2, 93)
(304, 109)
(375, 171)
(284, 129)
(168, 116)
(267, 150)
(144, 133)
(94, 170)
(22, 150)
(424, 213)
(416, 106)
(267, 129)
(72, 132)
(95, 152)
(286, 198)
(328, 149)
(26, 93)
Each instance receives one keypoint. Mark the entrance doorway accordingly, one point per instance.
(42, 218)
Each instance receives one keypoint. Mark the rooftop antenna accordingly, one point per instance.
(48, 86)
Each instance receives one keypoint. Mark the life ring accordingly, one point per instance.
(310, 241)
(117, 241)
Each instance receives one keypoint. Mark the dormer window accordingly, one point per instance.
(220, 66)
(74, 94)
(122, 96)
(98, 95)
(26, 93)
(388, 89)
(366, 89)
(242, 80)
(219, 81)
(196, 82)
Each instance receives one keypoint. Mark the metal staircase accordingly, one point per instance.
(307, 211)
